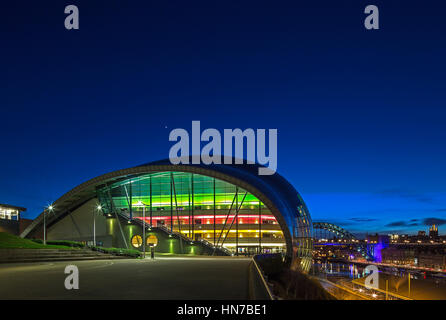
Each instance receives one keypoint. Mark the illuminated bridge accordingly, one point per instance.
(326, 230)
(329, 234)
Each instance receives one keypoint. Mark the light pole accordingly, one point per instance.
(140, 203)
(50, 208)
(409, 284)
(144, 232)
(98, 208)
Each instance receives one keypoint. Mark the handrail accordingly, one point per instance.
(211, 245)
(343, 288)
(271, 296)
(167, 230)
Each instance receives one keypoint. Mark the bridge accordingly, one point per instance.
(329, 234)
(326, 228)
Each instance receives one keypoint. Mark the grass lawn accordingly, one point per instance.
(9, 241)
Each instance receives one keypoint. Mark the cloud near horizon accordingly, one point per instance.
(402, 224)
(436, 221)
(363, 219)
(416, 222)
(405, 194)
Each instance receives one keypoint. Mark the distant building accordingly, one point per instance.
(394, 237)
(433, 232)
(384, 239)
(10, 220)
(404, 238)
(421, 233)
(8, 212)
(434, 259)
(405, 256)
(375, 244)
(417, 256)
(372, 238)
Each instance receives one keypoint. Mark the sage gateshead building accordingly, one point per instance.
(191, 209)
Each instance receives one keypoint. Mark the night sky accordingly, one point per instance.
(360, 114)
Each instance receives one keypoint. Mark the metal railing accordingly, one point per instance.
(165, 229)
(212, 246)
(262, 277)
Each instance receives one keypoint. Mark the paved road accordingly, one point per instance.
(163, 278)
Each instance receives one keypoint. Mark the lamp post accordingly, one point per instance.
(143, 205)
(50, 208)
(144, 232)
(98, 208)
(408, 284)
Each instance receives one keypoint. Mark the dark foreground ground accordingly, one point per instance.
(163, 278)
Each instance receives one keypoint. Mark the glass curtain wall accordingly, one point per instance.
(199, 207)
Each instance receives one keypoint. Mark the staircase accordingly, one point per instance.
(51, 255)
(219, 251)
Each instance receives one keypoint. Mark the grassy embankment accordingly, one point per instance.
(9, 241)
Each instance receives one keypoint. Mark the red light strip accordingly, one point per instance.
(268, 217)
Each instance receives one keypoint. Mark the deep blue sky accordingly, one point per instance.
(360, 114)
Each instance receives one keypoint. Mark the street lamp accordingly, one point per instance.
(50, 208)
(143, 205)
(98, 208)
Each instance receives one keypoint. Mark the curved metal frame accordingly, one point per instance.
(296, 235)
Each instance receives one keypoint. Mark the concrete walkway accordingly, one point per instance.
(162, 278)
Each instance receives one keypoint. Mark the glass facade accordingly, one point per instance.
(198, 207)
